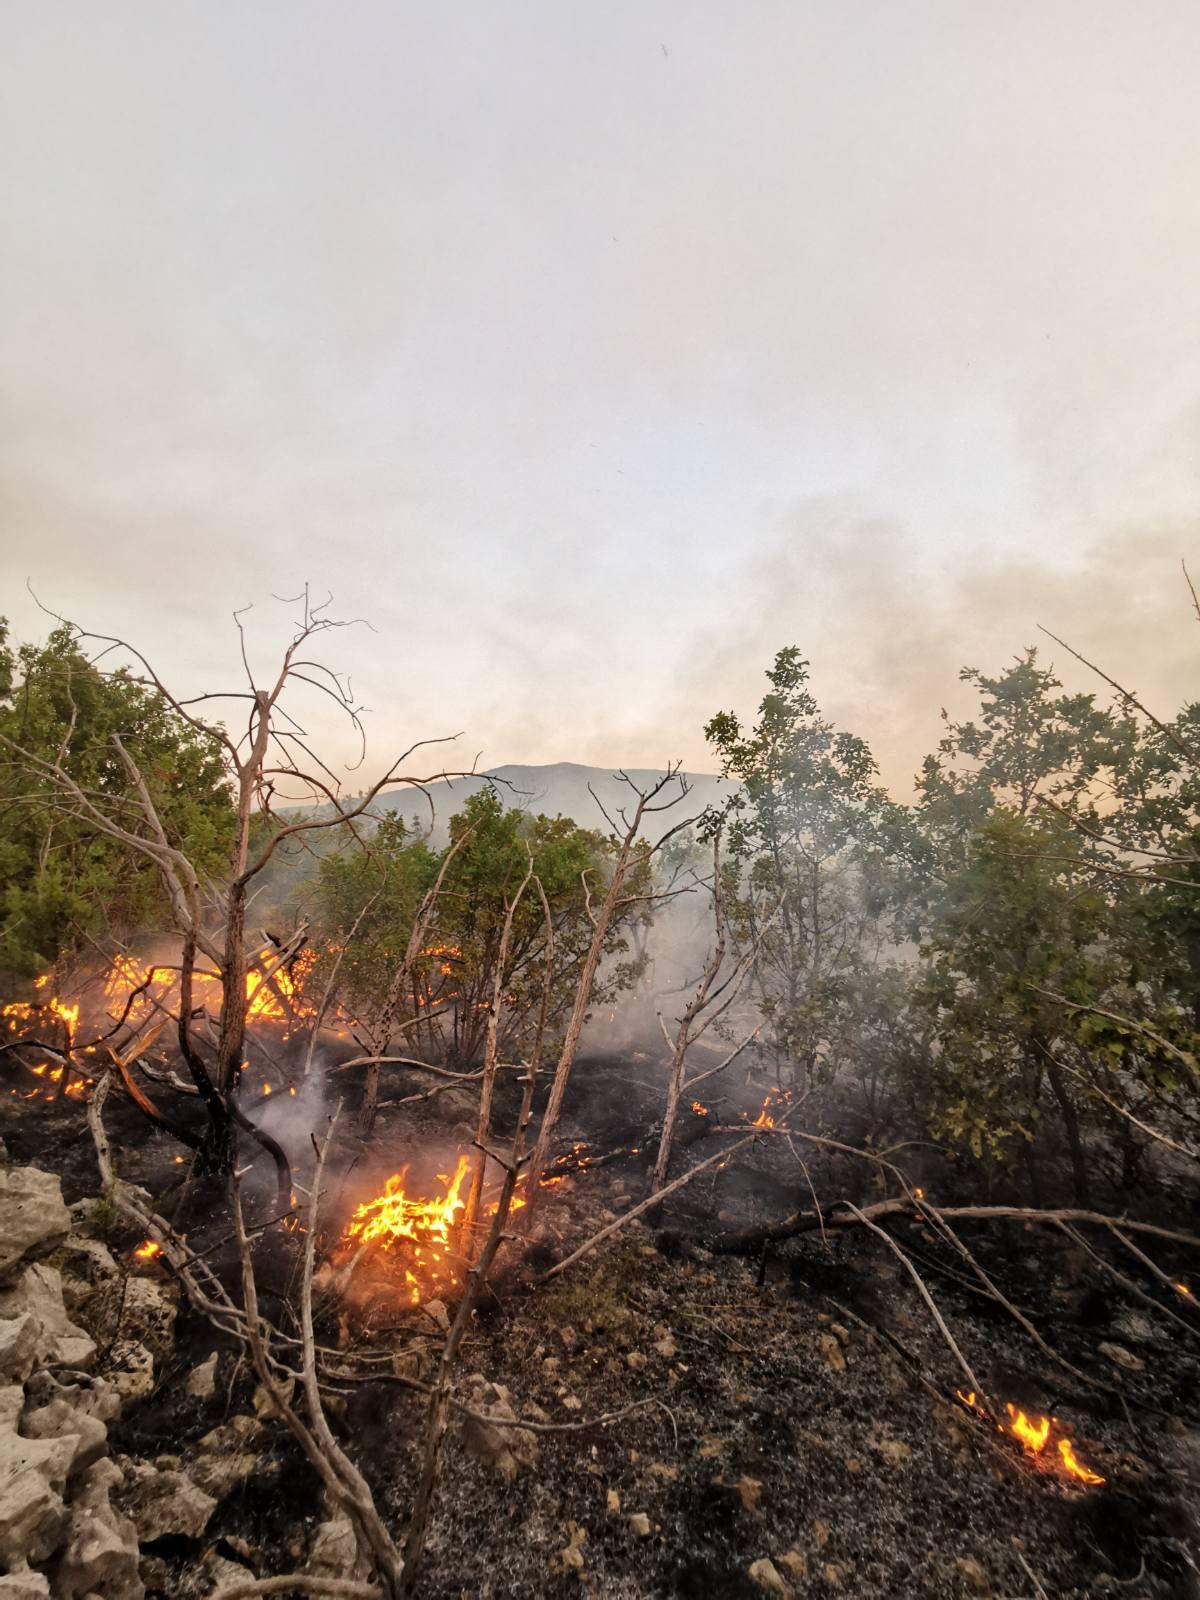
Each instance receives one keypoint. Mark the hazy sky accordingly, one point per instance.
(593, 351)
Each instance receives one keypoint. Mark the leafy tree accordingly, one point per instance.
(63, 880)
(485, 860)
(805, 825)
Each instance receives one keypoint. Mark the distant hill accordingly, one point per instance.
(559, 790)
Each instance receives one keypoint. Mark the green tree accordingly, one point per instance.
(805, 825)
(63, 879)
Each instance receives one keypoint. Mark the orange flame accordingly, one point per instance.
(147, 1250)
(424, 1225)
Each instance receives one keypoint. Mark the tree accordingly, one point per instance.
(804, 823)
(64, 881)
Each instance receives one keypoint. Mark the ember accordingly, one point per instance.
(147, 1250)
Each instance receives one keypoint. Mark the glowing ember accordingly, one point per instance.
(266, 1088)
(147, 1250)
(1183, 1288)
(699, 1109)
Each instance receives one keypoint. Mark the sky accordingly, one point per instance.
(591, 353)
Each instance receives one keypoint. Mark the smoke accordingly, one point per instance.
(887, 628)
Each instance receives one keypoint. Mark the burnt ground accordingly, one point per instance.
(789, 1418)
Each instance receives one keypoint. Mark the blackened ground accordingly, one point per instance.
(781, 1426)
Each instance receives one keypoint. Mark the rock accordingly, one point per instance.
(508, 1449)
(25, 1584)
(635, 1361)
(12, 1403)
(1134, 1325)
(436, 1309)
(33, 1475)
(1121, 1357)
(219, 1573)
(59, 1419)
(87, 1267)
(38, 1293)
(749, 1492)
(840, 1333)
(795, 1565)
(612, 1502)
(334, 1552)
(833, 1574)
(264, 1405)
(130, 1369)
(148, 1314)
(18, 1347)
(570, 1557)
(893, 1451)
(167, 1503)
(832, 1351)
(229, 1455)
(201, 1381)
(101, 1553)
(639, 1525)
(33, 1219)
(820, 1534)
(973, 1575)
(763, 1573)
(665, 1343)
(568, 1336)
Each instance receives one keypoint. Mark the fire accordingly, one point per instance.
(775, 1099)
(1074, 1466)
(147, 1250)
(700, 1110)
(1034, 1437)
(425, 1227)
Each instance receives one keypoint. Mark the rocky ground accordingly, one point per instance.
(783, 1442)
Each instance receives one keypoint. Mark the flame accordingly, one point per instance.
(700, 1110)
(1034, 1436)
(1183, 1288)
(1074, 1466)
(147, 1250)
(425, 1226)
(266, 1088)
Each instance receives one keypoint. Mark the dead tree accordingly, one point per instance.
(632, 850)
(715, 992)
(269, 765)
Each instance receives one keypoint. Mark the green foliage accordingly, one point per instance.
(805, 827)
(63, 878)
(454, 977)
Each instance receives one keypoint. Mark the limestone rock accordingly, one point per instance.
(101, 1552)
(334, 1552)
(38, 1292)
(639, 1525)
(33, 1219)
(12, 1403)
(129, 1367)
(831, 1349)
(18, 1347)
(87, 1267)
(973, 1576)
(163, 1503)
(33, 1474)
(765, 1574)
(1121, 1357)
(201, 1381)
(508, 1449)
(229, 1455)
(148, 1314)
(25, 1584)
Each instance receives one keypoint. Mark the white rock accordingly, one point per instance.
(508, 1449)
(33, 1219)
(25, 1585)
(162, 1503)
(335, 1552)
(19, 1338)
(101, 1552)
(129, 1367)
(38, 1291)
(33, 1474)
(765, 1574)
(148, 1314)
(201, 1381)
